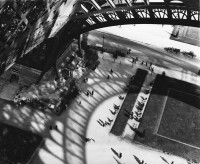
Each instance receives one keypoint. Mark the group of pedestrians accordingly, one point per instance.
(105, 123)
(111, 72)
(121, 97)
(135, 59)
(85, 80)
(89, 139)
(89, 93)
(51, 127)
(139, 106)
(21, 100)
(151, 69)
(128, 113)
(128, 51)
(116, 109)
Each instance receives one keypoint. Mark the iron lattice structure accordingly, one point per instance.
(91, 14)
(22, 18)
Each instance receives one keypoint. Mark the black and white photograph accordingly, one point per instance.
(99, 81)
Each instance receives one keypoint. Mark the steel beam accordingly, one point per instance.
(96, 5)
(84, 8)
(128, 2)
(111, 3)
(157, 14)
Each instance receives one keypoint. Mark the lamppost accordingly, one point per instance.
(103, 44)
(103, 40)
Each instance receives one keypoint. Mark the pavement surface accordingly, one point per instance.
(67, 144)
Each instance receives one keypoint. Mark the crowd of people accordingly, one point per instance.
(145, 63)
(105, 123)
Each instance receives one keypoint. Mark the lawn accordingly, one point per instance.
(170, 119)
(180, 120)
(121, 120)
(17, 145)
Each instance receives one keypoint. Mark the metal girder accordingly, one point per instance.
(84, 8)
(111, 3)
(128, 2)
(96, 5)
(157, 14)
(146, 2)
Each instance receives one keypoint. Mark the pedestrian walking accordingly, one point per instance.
(120, 155)
(92, 139)
(108, 77)
(150, 64)
(89, 92)
(87, 139)
(133, 60)
(110, 120)
(56, 127)
(132, 128)
(114, 151)
(121, 97)
(131, 117)
(102, 124)
(129, 51)
(92, 93)
(107, 123)
(111, 71)
(113, 113)
(136, 59)
(143, 99)
(116, 106)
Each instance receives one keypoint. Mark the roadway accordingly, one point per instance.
(156, 55)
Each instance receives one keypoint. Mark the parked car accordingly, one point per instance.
(189, 54)
(172, 50)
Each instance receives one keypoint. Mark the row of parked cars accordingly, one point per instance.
(178, 51)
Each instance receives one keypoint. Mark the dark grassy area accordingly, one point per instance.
(179, 121)
(136, 84)
(17, 145)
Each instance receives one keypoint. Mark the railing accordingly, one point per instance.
(153, 14)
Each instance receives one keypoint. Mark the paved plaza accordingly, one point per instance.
(124, 94)
(67, 144)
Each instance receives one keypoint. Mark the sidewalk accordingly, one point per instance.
(180, 74)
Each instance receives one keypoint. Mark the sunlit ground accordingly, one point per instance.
(156, 35)
(67, 145)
